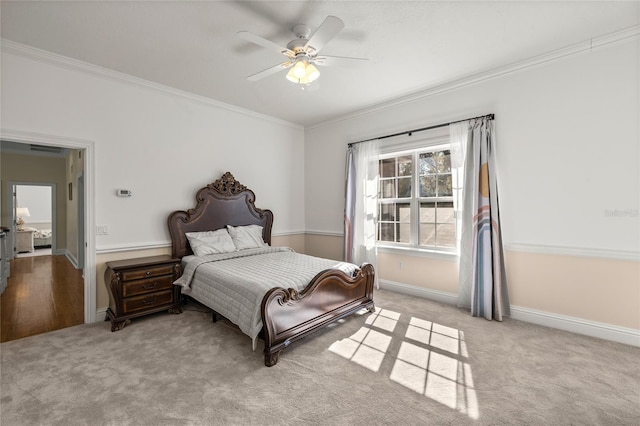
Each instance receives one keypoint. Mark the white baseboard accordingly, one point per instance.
(615, 333)
(425, 293)
(628, 336)
(71, 258)
(101, 314)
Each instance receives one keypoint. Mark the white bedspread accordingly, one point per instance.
(42, 233)
(234, 284)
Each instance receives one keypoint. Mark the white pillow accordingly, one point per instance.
(246, 237)
(210, 242)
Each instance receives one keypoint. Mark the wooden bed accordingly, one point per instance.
(287, 314)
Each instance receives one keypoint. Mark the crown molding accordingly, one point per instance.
(618, 37)
(61, 61)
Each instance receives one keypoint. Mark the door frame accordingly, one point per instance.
(80, 213)
(88, 146)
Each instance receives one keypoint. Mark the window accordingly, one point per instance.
(415, 199)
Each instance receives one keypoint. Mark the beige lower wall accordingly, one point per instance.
(327, 246)
(435, 274)
(425, 272)
(593, 289)
(296, 242)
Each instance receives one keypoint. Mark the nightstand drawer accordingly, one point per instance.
(146, 286)
(148, 301)
(151, 271)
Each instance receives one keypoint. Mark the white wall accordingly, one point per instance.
(568, 160)
(161, 144)
(567, 147)
(568, 150)
(37, 199)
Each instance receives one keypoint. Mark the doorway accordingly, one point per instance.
(34, 206)
(45, 289)
(87, 149)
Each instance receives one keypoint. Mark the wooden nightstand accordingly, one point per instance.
(140, 287)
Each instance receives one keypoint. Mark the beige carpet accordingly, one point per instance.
(413, 362)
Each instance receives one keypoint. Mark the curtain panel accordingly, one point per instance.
(361, 204)
(482, 277)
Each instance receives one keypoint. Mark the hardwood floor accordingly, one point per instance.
(43, 293)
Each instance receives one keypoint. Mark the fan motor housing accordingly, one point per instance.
(301, 31)
(297, 45)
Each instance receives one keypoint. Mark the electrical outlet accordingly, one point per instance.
(400, 265)
(102, 229)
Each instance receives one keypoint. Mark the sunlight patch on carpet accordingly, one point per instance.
(431, 359)
(367, 347)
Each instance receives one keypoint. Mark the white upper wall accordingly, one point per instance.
(37, 199)
(163, 145)
(567, 146)
(568, 150)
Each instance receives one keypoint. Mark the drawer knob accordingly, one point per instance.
(148, 272)
(150, 286)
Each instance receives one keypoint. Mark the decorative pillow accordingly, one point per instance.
(246, 237)
(210, 242)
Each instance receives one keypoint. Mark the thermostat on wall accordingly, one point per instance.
(123, 193)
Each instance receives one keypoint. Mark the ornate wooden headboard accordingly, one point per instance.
(221, 203)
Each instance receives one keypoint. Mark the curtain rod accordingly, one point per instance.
(409, 132)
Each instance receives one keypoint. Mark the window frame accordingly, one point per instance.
(414, 148)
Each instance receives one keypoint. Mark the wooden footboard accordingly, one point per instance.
(288, 315)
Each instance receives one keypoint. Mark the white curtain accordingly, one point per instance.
(361, 207)
(482, 278)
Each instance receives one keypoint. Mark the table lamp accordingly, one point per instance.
(20, 213)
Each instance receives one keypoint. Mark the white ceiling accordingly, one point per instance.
(412, 45)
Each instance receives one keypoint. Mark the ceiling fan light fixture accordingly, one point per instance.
(302, 52)
(299, 69)
(303, 73)
(312, 72)
(292, 78)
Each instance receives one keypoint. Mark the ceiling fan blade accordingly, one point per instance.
(329, 28)
(271, 70)
(339, 60)
(246, 35)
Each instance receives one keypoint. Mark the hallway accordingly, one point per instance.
(44, 293)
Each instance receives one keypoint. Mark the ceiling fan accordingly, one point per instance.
(302, 52)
